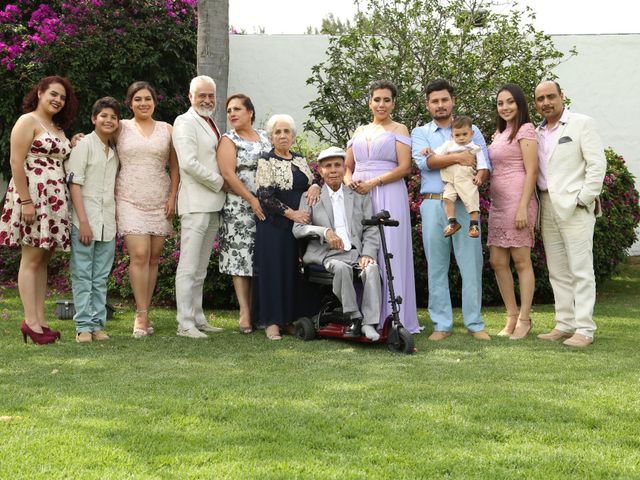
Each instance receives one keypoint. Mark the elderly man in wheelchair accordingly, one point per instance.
(341, 244)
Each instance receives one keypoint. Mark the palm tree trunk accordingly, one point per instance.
(213, 50)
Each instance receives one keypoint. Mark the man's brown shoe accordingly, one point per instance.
(100, 335)
(554, 335)
(578, 340)
(83, 337)
(436, 336)
(481, 335)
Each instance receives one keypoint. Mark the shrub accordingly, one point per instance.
(615, 230)
(218, 289)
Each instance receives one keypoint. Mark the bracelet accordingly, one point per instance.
(26, 202)
(380, 182)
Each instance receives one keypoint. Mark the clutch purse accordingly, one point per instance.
(65, 310)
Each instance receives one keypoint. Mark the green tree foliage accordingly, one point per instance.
(102, 46)
(411, 42)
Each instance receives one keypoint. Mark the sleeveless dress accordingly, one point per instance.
(372, 160)
(143, 184)
(507, 183)
(44, 168)
(238, 230)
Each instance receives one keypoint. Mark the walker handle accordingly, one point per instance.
(382, 218)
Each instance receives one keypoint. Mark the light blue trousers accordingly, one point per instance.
(90, 268)
(468, 252)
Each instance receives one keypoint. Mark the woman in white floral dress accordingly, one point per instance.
(238, 154)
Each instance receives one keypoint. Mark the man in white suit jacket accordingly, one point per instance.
(340, 242)
(572, 169)
(200, 200)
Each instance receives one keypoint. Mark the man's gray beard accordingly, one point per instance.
(205, 112)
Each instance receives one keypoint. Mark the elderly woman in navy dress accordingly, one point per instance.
(282, 178)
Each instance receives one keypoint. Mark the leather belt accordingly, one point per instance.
(432, 196)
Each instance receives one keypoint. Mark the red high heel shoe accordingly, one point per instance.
(49, 331)
(37, 338)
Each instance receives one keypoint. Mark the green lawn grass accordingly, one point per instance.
(236, 406)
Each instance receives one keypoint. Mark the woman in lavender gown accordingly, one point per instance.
(378, 159)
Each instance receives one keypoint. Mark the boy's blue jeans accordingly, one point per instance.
(90, 268)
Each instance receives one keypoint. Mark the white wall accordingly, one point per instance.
(273, 71)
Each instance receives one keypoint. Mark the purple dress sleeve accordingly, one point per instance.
(403, 139)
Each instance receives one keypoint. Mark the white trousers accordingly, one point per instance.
(569, 249)
(198, 232)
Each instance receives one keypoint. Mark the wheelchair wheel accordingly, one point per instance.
(305, 330)
(404, 344)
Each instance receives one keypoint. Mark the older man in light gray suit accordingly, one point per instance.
(572, 168)
(200, 200)
(340, 242)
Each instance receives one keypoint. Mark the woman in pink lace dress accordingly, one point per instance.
(514, 208)
(145, 195)
(35, 217)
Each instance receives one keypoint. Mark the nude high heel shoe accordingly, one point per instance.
(523, 327)
(509, 326)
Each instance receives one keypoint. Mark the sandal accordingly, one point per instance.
(138, 331)
(245, 330)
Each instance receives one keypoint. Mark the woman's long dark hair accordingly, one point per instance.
(523, 110)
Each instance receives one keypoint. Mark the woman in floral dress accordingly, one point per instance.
(238, 154)
(35, 216)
